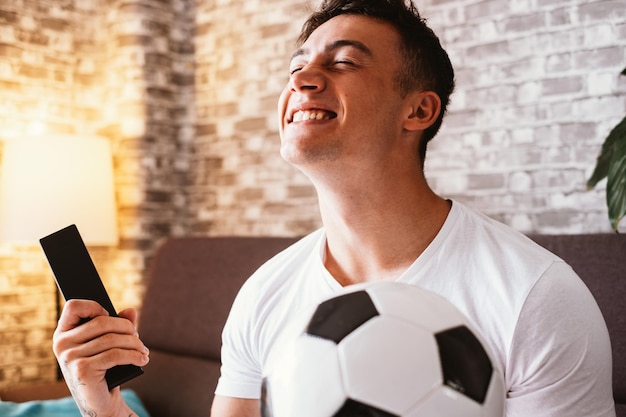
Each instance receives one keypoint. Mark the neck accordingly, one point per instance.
(378, 232)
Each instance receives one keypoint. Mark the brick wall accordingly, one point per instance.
(186, 92)
(44, 66)
(538, 90)
(240, 184)
(120, 69)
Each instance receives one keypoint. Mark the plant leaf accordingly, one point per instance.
(606, 156)
(616, 182)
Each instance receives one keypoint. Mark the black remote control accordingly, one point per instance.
(77, 278)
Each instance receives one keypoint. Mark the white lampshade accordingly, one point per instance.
(50, 182)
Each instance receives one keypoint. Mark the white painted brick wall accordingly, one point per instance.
(538, 90)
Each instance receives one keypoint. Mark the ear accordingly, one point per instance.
(422, 111)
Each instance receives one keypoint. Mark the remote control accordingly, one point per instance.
(77, 278)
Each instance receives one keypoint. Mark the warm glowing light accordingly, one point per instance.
(49, 182)
(36, 128)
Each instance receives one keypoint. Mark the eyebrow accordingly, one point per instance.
(333, 46)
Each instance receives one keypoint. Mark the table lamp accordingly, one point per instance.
(49, 182)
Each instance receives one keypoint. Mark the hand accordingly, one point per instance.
(85, 350)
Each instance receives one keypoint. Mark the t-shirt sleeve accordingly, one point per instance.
(560, 360)
(240, 373)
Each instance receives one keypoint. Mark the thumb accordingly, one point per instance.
(77, 312)
(129, 314)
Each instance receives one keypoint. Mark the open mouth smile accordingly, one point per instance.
(313, 114)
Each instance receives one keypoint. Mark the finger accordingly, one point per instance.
(129, 314)
(104, 343)
(120, 356)
(93, 368)
(95, 328)
(76, 312)
(89, 361)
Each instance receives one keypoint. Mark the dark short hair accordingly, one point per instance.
(426, 64)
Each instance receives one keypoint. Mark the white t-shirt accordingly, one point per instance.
(534, 313)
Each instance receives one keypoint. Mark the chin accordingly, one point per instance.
(305, 151)
(289, 154)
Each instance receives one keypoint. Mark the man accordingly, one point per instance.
(368, 88)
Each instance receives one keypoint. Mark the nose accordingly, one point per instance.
(308, 79)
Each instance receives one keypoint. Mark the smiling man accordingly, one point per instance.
(368, 88)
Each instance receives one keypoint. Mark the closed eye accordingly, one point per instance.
(343, 65)
(339, 62)
(294, 70)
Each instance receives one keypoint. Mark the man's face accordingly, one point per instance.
(340, 103)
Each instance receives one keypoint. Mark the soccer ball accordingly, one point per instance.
(383, 350)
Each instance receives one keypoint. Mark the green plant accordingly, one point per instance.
(611, 164)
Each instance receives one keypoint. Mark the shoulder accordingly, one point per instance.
(274, 273)
(555, 352)
(488, 270)
(498, 247)
(273, 288)
(489, 250)
(259, 313)
(560, 356)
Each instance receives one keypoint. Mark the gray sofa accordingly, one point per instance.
(192, 282)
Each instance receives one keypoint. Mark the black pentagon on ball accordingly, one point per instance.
(352, 408)
(337, 317)
(465, 365)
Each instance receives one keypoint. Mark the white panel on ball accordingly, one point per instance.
(385, 381)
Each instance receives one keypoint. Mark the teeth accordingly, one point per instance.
(300, 116)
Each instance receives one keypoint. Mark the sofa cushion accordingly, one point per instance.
(191, 285)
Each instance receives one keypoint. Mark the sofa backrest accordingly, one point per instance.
(600, 260)
(193, 281)
(191, 285)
